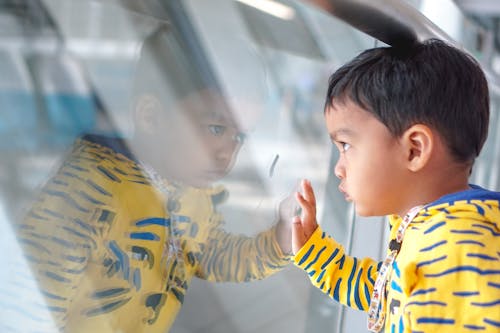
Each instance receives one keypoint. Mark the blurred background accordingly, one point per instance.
(66, 68)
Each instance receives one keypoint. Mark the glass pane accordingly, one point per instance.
(147, 149)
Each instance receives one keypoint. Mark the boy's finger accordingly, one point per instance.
(308, 192)
(298, 237)
(308, 216)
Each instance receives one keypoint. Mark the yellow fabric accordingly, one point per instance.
(97, 240)
(446, 277)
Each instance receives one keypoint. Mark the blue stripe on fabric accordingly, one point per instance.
(465, 293)
(487, 304)
(369, 274)
(106, 307)
(53, 296)
(491, 322)
(98, 188)
(433, 246)
(482, 256)
(56, 309)
(423, 291)
(341, 261)
(367, 294)
(349, 281)
(480, 209)
(465, 268)
(465, 232)
(426, 303)
(57, 277)
(396, 287)
(76, 167)
(108, 174)
(153, 221)
(145, 236)
(435, 320)
(493, 232)
(468, 241)
(434, 227)
(54, 214)
(84, 225)
(396, 269)
(320, 276)
(90, 198)
(315, 258)
(429, 262)
(66, 197)
(475, 327)
(330, 259)
(336, 291)
(122, 258)
(306, 255)
(109, 293)
(357, 290)
(494, 285)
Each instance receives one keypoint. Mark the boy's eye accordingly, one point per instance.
(217, 130)
(240, 137)
(345, 146)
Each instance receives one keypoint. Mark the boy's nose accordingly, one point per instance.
(339, 169)
(226, 150)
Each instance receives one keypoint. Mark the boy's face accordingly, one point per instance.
(370, 166)
(199, 144)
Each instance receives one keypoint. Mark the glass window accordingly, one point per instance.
(147, 153)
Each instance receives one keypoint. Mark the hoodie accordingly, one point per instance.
(445, 278)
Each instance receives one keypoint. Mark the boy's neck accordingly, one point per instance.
(431, 185)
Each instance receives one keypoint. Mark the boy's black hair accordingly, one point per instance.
(431, 83)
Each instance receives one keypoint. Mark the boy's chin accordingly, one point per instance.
(367, 211)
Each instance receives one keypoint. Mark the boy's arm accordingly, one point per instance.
(239, 258)
(346, 279)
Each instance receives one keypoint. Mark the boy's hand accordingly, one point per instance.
(305, 224)
(286, 210)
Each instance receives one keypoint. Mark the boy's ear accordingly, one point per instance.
(146, 113)
(419, 143)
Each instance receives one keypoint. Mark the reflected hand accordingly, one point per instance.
(304, 225)
(286, 211)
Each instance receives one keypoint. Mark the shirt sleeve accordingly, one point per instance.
(239, 258)
(346, 279)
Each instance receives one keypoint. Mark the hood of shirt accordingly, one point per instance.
(474, 200)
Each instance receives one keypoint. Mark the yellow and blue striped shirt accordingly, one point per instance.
(97, 243)
(446, 277)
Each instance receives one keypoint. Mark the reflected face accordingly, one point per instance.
(369, 166)
(200, 141)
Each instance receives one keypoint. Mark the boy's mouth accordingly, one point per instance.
(344, 192)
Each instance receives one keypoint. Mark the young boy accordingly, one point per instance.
(119, 232)
(409, 124)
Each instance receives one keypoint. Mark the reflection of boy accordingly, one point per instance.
(408, 125)
(118, 233)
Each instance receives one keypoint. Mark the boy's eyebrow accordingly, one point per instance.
(341, 131)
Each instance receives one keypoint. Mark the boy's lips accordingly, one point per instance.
(344, 192)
